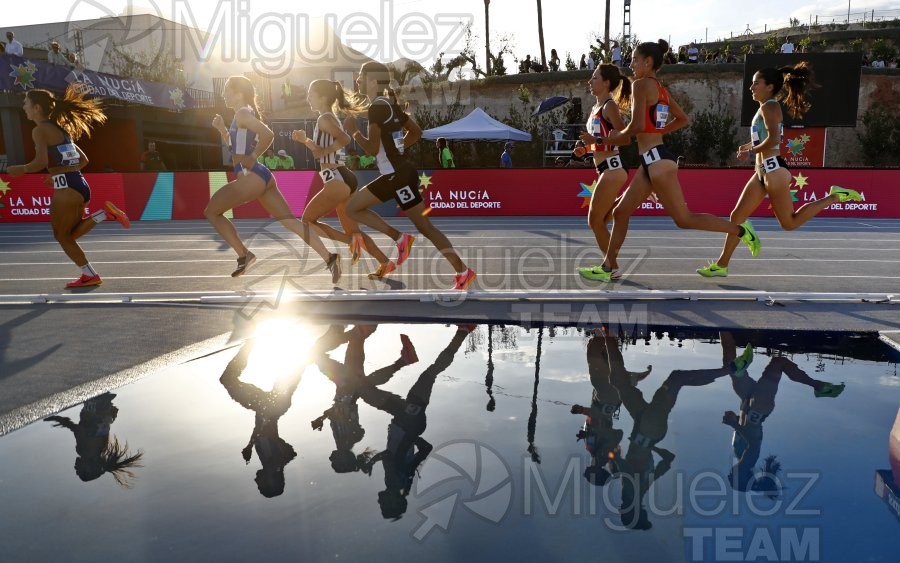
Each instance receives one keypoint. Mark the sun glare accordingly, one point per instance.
(282, 348)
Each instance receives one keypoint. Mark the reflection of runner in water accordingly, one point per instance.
(600, 438)
(349, 379)
(651, 423)
(273, 452)
(406, 449)
(757, 403)
(98, 452)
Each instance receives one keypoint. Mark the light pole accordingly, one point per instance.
(487, 38)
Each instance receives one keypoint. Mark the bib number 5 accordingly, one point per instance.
(771, 164)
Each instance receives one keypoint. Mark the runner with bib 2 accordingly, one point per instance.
(651, 109)
(771, 88)
(339, 182)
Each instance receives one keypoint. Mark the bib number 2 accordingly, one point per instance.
(327, 175)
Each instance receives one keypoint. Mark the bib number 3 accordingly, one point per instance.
(405, 195)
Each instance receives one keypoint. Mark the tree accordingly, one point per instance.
(160, 66)
(541, 33)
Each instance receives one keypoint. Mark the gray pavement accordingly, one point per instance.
(47, 351)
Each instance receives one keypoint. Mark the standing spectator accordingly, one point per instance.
(55, 57)
(554, 61)
(13, 46)
(285, 161)
(591, 65)
(670, 57)
(151, 159)
(693, 53)
(525, 67)
(444, 154)
(616, 54)
(506, 157)
(787, 47)
(878, 62)
(682, 55)
(582, 64)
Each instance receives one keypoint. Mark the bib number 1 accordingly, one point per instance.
(651, 156)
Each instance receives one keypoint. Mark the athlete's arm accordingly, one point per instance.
(771, 113)
(371, 144)
(413, 132)
(640, 94)
(265, 136)
(40, 155)
(681, 119)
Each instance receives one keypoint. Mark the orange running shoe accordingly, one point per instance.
(404, 246)
(383, 270)
(113, 212)
(464, 279)
(84, 281)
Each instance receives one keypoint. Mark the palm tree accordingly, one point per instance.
(606, 28)
(487, 38)
(541, 33)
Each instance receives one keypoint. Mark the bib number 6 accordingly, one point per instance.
(614, 162)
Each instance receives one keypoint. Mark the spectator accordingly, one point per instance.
(525, 67)
(878, 62)
(865, 60)
(591, 65)
(2, 47)
(693, 53)
(682, 55)
(285, 161)
(893, 63)
(787, 47)
(582, 64)
(55, 57)
(554, 61)
(616, 54)
(13, 46)
(506, 157)
(444, 154)
(269, 160)
(151, 159)
(670, 57)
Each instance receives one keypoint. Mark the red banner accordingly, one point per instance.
(804, 147)
(26, 199)
(455, 193)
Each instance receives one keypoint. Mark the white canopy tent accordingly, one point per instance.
(477, 126)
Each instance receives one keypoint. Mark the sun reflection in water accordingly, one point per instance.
(281, 348)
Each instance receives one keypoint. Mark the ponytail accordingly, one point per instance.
(655, 51)
(73, 112)
(382, 76)
(619, 85)
(798, 82)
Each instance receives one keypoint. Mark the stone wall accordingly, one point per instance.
(694, 86)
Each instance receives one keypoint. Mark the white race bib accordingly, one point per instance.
(596, 127)
(60, 182)
(662, 115)
(405, 194)
(68, 155)
(651, 156)
(771, 164)
(398, 141)
(614, 162)
(327, 175)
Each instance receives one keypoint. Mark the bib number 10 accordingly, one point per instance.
(60, 182)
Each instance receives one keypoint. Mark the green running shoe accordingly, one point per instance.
(750, 238)
(845, 194)
(597, 273)
(830, 390)
(741, 363)
(713, 270)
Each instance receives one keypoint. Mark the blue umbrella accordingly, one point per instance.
(550, 103)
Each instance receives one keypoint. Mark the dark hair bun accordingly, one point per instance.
(663, 44)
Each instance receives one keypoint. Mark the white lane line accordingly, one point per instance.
(448, 276)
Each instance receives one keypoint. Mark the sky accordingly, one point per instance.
(568, 26)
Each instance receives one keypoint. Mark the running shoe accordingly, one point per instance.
(464, 279)
(404, 246)
(713, 270)
(383, 270)
(599, 273)
(830, 390)
(84, 281)
(113, 212)
(741, 363)
(356, 246)
(845, 194)
(334, 266)
(750, 238)
(467, 327)
(635, 377)
(408, 352)
(244, 262)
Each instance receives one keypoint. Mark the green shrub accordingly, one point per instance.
(712, 137)
(880, 142)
